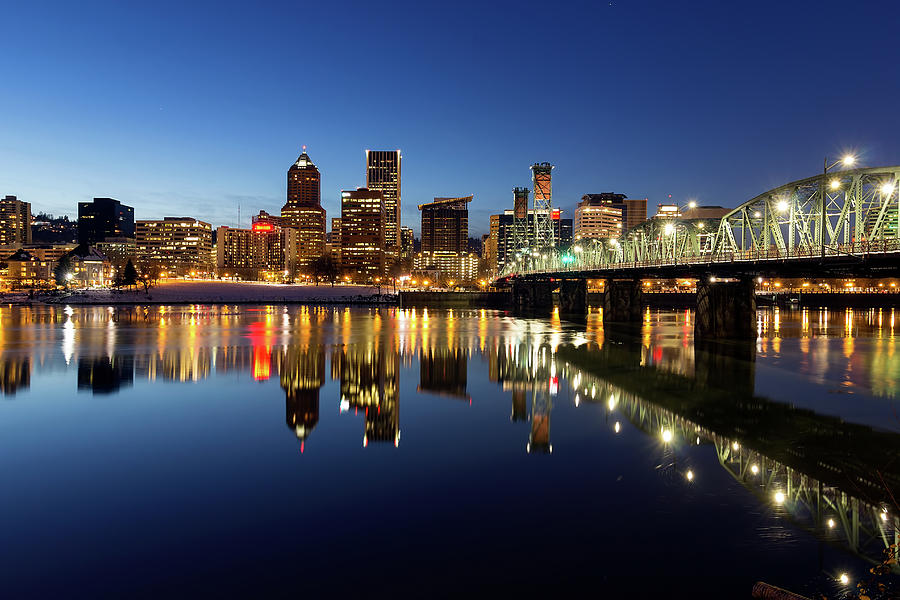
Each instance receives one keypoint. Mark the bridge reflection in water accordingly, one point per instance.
(831, 478)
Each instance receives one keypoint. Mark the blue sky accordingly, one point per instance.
(196, 108)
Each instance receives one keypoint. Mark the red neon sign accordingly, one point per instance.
(555, 214)
(262, 227)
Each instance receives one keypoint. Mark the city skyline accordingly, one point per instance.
(636, 102)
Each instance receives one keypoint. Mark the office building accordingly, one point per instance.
(597, 218)
(234, 253)
(445, 225)
(667, 211)
(177, 245)
(15, 222)
(383, 175)
(335, 239)
(634, 211)
(704, 212)
(363, 234)
(458, 267)
(303, 210)
(104, 218)
(273, 248)
(407, 243)
(445, 240)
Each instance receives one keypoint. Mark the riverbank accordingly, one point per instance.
(217, 292)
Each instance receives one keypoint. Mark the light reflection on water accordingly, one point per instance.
(673, 409)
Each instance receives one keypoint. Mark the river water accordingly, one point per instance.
(289, 451)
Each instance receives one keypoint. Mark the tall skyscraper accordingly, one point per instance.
(383, 175)
(303, 210)
(15, 222)
(104, 218)
(362, 234)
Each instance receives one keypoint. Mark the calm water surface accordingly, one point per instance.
(296, 451)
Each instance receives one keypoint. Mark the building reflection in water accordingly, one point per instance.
(444, 371)
(654, 377)
(104, 374)
(369, 376)
(302, 375)
(15, 374)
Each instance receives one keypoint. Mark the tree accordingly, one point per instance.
(324, 268)
(130, 274)
(149, 276)
(62, 272)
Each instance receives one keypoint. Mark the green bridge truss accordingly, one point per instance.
(847, 213)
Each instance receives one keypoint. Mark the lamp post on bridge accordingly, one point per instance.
(847, 161)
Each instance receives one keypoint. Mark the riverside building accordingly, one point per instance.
(178, 245)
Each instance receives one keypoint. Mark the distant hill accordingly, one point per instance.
(47, 229)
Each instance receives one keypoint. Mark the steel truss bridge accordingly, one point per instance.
(847, 222)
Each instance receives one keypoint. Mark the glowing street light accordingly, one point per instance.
(887, 188)
(831, 523)
(667, 435)
(779, 497)
(782, 205)
(847, 160)
(754, 469)
(669, 229)
(835, 184)
(689, 475)
(844, 578)
(692, 204)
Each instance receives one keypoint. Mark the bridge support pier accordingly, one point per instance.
(532, 297)
(573, 297)
(622, 300)
(725, 309)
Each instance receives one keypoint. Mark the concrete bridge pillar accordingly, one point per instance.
(725, 310)
(573, 297)
(532, 297)
(622, 300)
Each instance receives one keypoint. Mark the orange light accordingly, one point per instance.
(261, 227)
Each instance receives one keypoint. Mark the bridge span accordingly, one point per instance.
(844, 224)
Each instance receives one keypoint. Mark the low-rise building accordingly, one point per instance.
(458, 267)
(24, 270)
(89, 268)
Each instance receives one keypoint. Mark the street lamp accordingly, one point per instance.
(847, 161)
